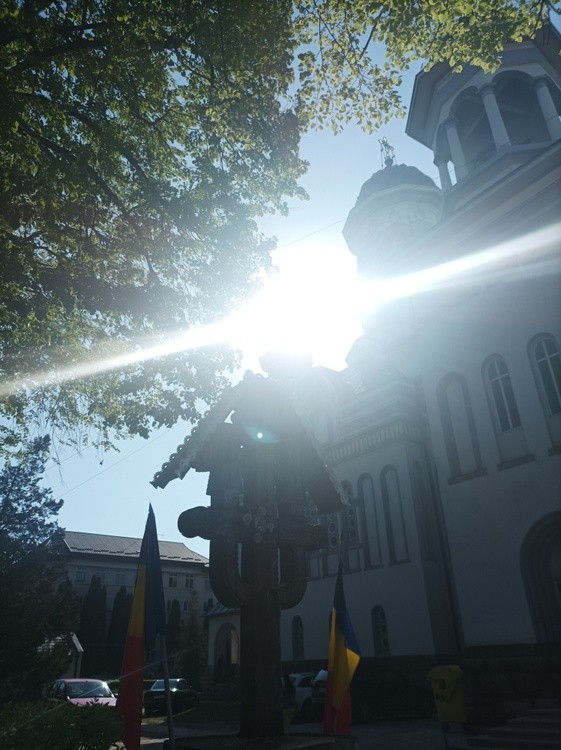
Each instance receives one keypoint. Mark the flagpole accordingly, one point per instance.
(165, 669)
(344, 657)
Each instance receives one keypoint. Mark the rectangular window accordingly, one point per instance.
(188, 582)
(120, 579)
(172, 581)
(185, 606)
(80, 576)
(207, 584)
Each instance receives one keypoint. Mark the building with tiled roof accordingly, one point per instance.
(114, 560)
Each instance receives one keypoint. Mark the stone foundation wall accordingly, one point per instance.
(499, 681)
(502, 682)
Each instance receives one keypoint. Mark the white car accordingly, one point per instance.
(302, 682)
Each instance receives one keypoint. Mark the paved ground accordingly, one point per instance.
(407, 734)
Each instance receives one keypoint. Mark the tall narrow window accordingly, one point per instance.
(372, 551)
(511, 440)
(297, 638)
(474, 130)
(458, 427)
(546, 364)
(500, 388)
(549, 367)
(393, 516)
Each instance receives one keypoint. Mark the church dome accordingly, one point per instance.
(396, 175)
(395, 207)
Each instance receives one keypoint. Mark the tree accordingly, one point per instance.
(193, 645)
(117, 632)
(39, 605)
(173, 629)
(139, 142)
(92, 629)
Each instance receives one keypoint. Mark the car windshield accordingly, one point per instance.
(88, 690)
(174, 684)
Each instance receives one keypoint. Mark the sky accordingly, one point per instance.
(110, 494)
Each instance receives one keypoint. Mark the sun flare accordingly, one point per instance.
(310, 306)
(315, 302)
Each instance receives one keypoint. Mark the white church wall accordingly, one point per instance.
(488, 516)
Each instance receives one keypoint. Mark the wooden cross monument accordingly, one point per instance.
(262, 466)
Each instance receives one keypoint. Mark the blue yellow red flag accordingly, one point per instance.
(147, 621)
(344, 656)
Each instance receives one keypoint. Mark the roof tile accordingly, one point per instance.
(124, 546)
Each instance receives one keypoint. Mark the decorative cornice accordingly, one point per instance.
(366, 442)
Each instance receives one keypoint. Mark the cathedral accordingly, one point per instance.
(444, 430)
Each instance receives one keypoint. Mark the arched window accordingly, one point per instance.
(474, 130)
(380, 631)
(372, 550)
(393, 516)
(519, 108)
(546, 365)
(511, 440)
(458, 427)
(297, 638)
(499, 388)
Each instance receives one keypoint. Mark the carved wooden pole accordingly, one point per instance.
(261, 466)
(261, 713)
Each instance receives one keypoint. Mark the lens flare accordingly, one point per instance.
(315, 304)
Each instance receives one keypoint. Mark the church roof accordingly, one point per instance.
(396, 175)
(124, 546)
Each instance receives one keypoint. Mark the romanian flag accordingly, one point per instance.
(147, 620)
(344, 656)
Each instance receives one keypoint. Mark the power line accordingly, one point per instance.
(112, 466)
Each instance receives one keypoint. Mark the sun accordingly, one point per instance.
(311, 305)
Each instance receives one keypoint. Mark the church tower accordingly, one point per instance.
(484, 127)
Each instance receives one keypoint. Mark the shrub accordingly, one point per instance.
(59, 726)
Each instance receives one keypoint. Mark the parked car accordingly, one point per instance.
(114, 685)
(183, 696)
(379, 690)
(81, 692)
(302, 682)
